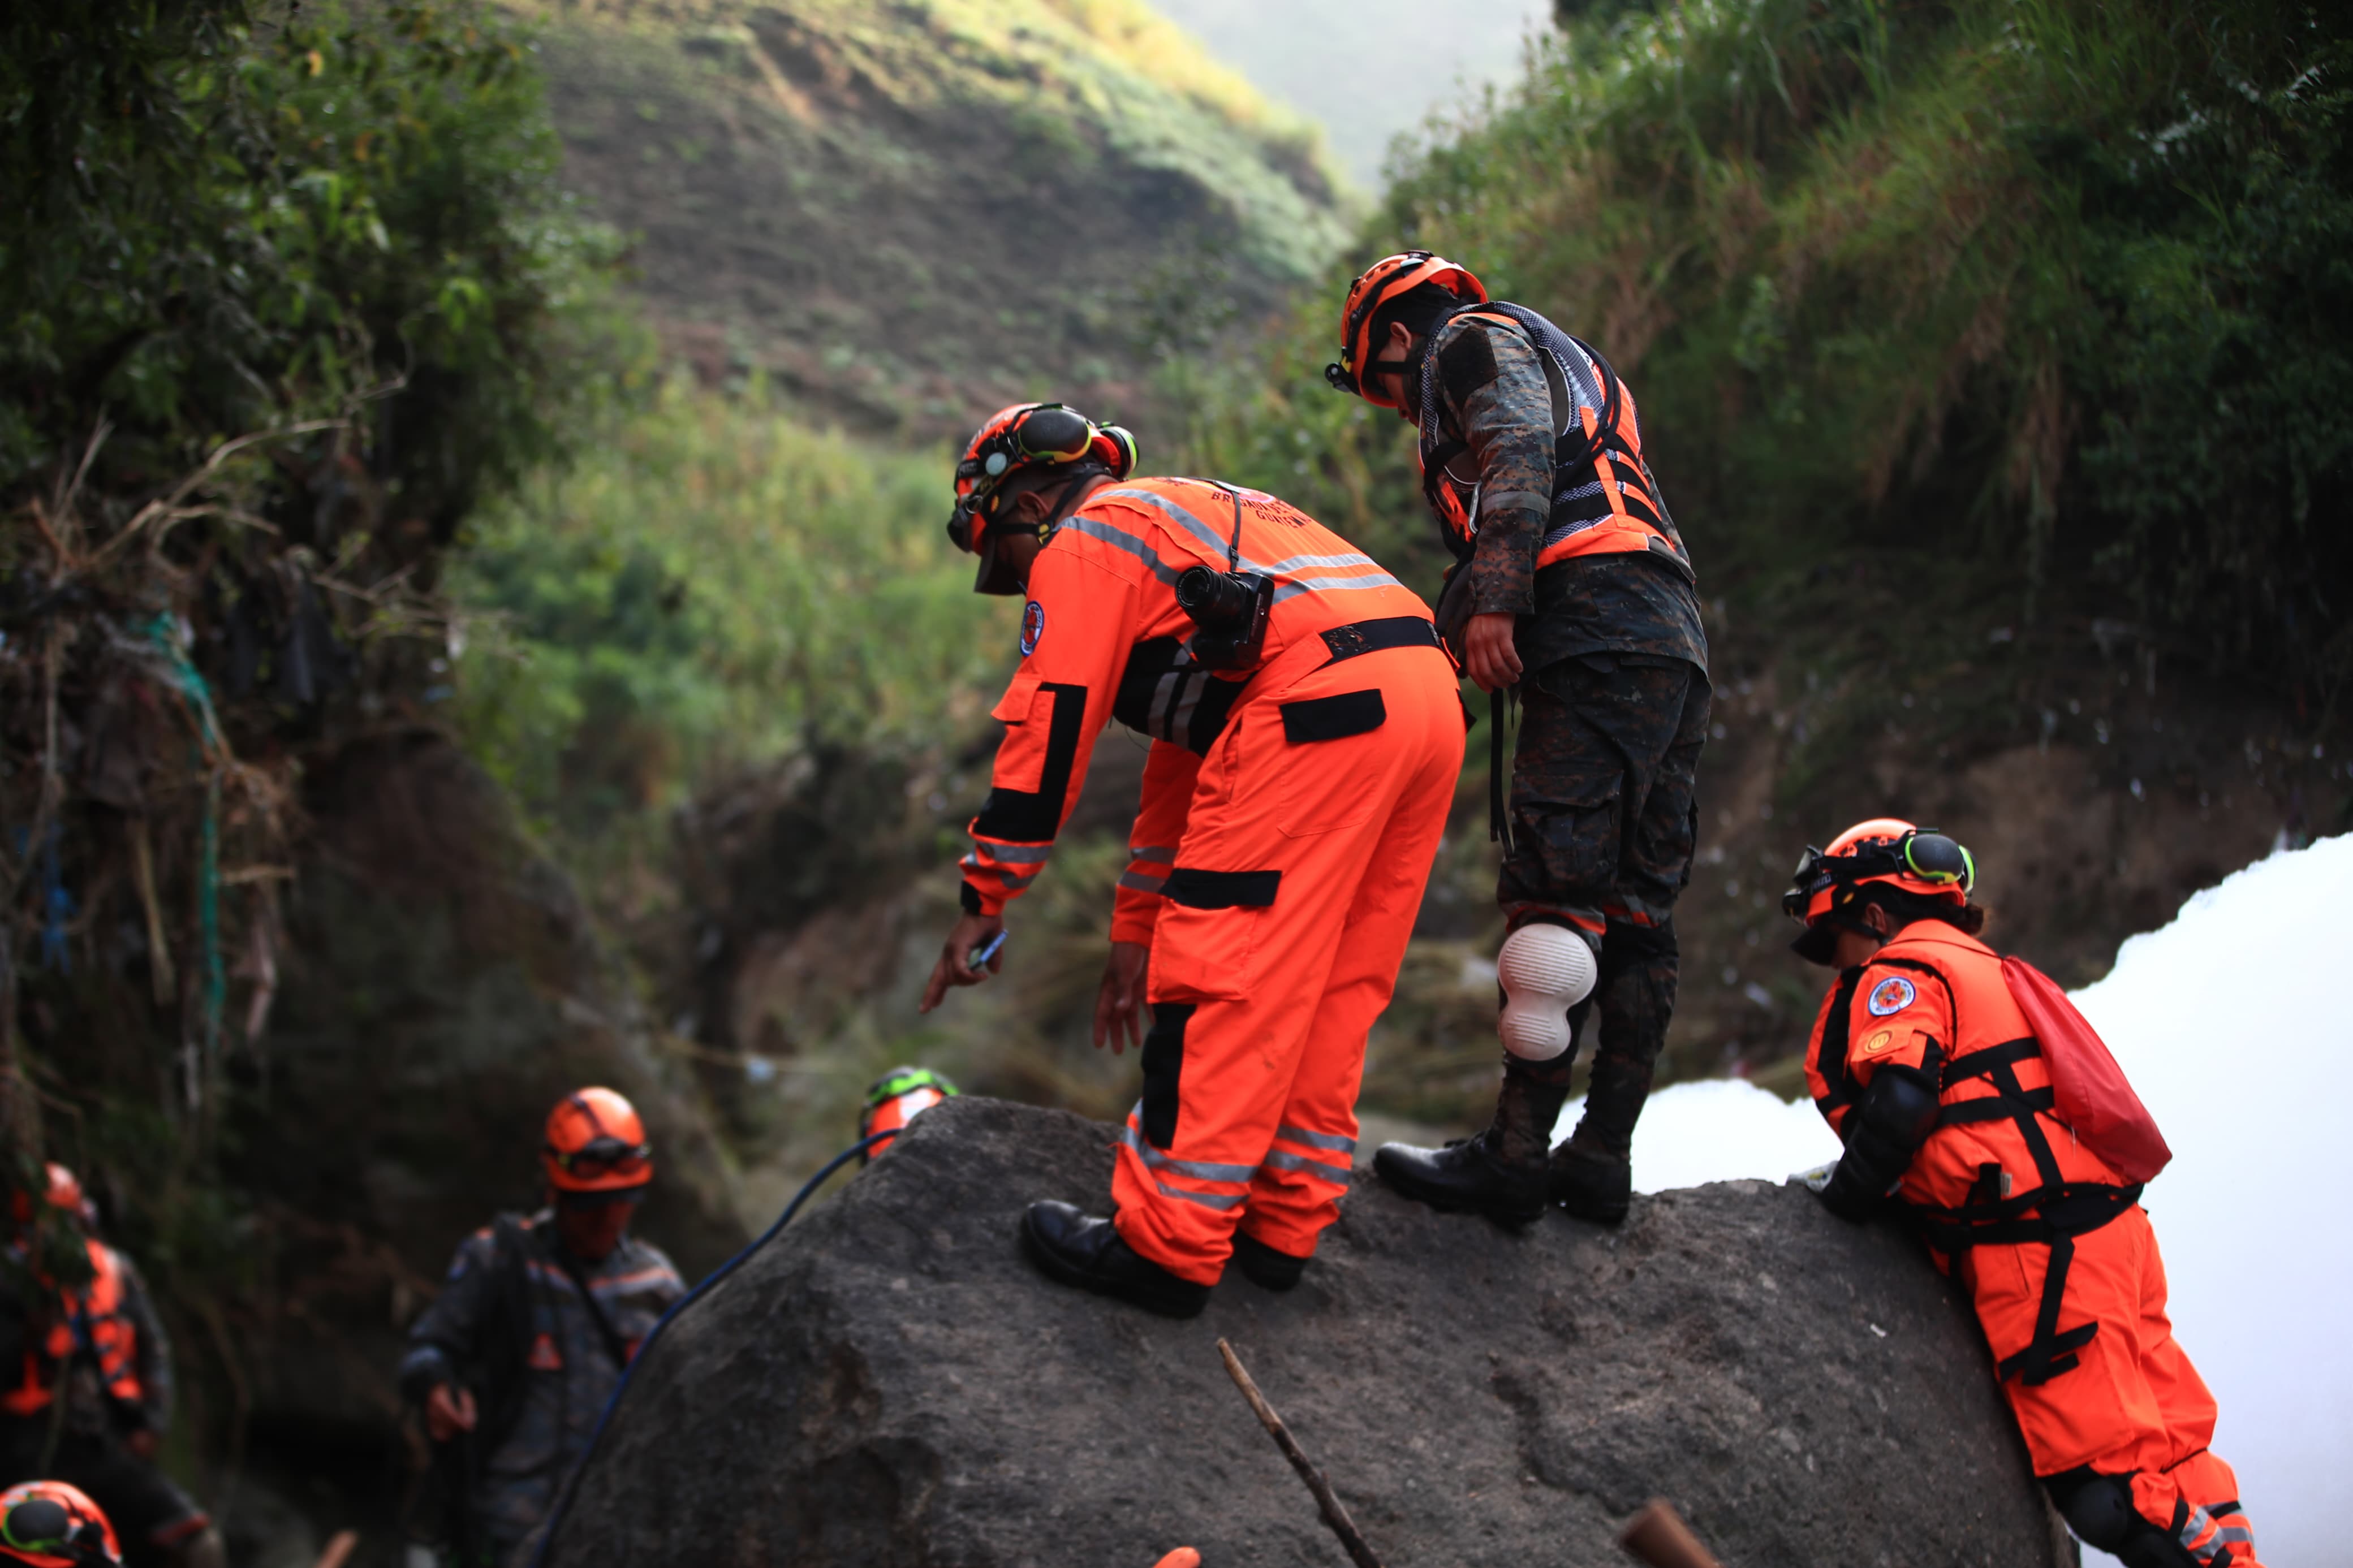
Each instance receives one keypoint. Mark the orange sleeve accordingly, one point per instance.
(1169, 773)
(1076, 630)
(1900, 1014)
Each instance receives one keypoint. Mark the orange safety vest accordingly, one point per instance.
(1604, 501)
(89, 1322)
(2000, 1166)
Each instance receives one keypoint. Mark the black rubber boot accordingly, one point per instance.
(1265, 1268)
(1500, 1173)
(1591, 1184)
(1081, 1250)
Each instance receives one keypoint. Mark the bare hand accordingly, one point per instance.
(971, 932)
(448, 1411)
(142, 1442)
(1488, 657)
(1119, 1004)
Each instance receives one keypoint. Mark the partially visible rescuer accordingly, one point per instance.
(1306, 733)
(1956, 1110)
(514, 1362)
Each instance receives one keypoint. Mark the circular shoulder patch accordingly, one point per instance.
(1033, 626)
(1892, 994)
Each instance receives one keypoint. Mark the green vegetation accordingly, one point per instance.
(715, 587)
(287, 294)
(905, 213)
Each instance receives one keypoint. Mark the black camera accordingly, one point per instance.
(1231, 609)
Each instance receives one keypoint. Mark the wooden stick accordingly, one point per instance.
(1335, 1515)
(1659, 1537)
(339, 1549)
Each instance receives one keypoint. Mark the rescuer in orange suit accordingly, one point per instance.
(1927, 1069)
(1306, 733)
(100, 1342)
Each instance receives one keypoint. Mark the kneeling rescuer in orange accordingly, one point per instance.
(1307, 731)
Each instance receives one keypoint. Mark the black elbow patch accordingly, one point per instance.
(1467, 363)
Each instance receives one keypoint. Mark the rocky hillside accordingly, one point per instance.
(906, 212)
(891, 1382)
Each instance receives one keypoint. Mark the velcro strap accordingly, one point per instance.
(1200, 890)
(1334, 718)
(1371, 636)
(1976, 1064)
(1996, 1107)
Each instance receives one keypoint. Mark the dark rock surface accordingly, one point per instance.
(891, 1382)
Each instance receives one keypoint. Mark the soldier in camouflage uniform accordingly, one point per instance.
(1571, 584)
(515, 1360)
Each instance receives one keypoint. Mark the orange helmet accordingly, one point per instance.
(1021, 437)
(1384, 282)
(53, 1525)
(897, 1098)
(64, 1192)
(596, 1144)
(1887, 849)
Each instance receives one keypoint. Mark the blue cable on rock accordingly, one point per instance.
(645, 1348)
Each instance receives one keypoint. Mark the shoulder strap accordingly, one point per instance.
(615, 1346)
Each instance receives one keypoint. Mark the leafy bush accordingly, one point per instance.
(717, 585)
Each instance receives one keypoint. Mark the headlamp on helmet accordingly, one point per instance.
(1826, 888)
(1024, 438)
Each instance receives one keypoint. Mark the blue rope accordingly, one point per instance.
(644, 1347)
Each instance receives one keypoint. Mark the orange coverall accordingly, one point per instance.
(1289, 816)
(2052, 1246)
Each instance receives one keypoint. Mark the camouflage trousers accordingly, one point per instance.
(1604, 818)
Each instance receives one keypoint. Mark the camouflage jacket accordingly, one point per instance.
(1498, 402)
(566, 1370)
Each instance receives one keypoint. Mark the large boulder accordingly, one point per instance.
(891, 1383)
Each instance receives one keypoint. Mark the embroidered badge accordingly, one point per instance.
(1878, 1042)
(1892, 994)
(1033, 626)
(544, 1356)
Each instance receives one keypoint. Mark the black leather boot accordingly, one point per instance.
(1500, 1173)
(1077, 1250)
(1264, 1267)
(1591, 1184)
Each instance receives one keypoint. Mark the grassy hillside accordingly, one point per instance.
(910, 213)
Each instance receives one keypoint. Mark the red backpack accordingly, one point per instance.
(2088, 1090)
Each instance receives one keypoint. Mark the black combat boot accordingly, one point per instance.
(1264, 1267)
(1077, 1250)
(1501, 1172)
(1591, 1184)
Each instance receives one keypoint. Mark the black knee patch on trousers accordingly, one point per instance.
(1163, 1065)
(2099, 1510)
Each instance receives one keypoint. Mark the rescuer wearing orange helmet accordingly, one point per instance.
(1306, 734)
(51, 1524)
(101, 1343)
(1954, 1106)
(515, 1359)
(1572, 585)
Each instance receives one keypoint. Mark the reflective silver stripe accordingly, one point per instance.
(1207, 1200)
(1332, 1140)
(1008, 879)
(2199, 1523)
(2238, 1536)
(1163, 852)
(1294, 562)
(1283, 1160)
(1327, 585)
(1218, 542)
(1199, 1170)
(1120, 539)
(1138, 882)
(1014, 854)
(1180, 723)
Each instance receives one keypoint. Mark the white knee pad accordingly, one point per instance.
(1544, 969)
